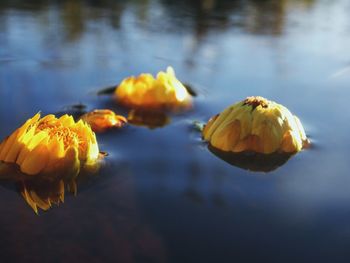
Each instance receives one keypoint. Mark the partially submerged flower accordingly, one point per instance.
(101, 120)
(146, 92)
(257, 125)
(51, 145)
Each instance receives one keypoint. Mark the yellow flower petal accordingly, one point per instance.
(36, 161)
(71, 161)
(32, 143)
(13, 152)
(48, 118)
(218, 120)
(66, 120)
(289, 144)
(209, 125)
(8, 144)
(2, 145)
(226, 139)
(57, 152)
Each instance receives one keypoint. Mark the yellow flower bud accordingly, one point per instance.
(165, 92)
(256, 125)
(51, 145)
(101, 120)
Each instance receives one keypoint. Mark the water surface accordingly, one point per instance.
(163, 197)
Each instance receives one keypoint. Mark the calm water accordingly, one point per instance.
(163, 197)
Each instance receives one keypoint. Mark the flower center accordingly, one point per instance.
(56, 129)
(256, 101)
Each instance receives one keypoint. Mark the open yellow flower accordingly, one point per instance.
(51, 145)
(147, 92)
(258, 125)
(101, 120)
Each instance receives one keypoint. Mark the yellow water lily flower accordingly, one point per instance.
(101, 120)
(258, 125)
(147, 92)
(51, 145)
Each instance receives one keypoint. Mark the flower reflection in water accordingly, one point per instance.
(107, 209)
(42, 191)
(150, 119)
(252, 161)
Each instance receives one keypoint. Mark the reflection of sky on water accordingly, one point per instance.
(53, 54)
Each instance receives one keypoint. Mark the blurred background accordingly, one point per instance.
(174, 201)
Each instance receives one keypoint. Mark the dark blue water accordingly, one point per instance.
(162, 196)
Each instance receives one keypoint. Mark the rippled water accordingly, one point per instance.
(163, 197)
